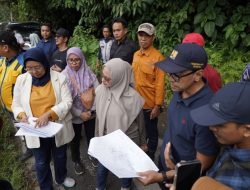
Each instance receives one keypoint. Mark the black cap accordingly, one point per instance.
(184, 57)
(63, 32)
(229, 104)
(8, 38)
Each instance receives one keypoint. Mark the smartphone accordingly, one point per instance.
(187, 172)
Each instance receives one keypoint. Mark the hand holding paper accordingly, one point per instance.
(42, 120)
(29, 129)
(119, 154)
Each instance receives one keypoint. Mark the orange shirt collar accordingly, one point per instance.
(146, 52)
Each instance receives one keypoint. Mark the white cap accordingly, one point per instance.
(147, 28)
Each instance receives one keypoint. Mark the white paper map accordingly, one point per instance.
(28, 129)
(120, 155)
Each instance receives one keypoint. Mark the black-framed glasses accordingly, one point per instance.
(72, 61)
(177, 76)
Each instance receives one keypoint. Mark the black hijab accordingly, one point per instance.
(37, 54)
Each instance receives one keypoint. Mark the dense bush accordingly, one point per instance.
(230, 63)
(89, 45)
(223, 20)
(225, 24)
(11, 169)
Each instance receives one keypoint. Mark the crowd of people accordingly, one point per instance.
(205, 121)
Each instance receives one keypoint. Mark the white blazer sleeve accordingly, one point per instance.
(16, 103)
(65, 99)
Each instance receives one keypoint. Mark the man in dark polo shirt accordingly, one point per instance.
(122, 47)
(184, 139)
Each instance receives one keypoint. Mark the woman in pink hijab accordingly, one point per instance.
(80, 79)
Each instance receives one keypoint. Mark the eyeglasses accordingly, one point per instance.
(31, 69)
(72, 61)
(177, 76)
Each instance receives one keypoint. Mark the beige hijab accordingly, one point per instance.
(121, 100)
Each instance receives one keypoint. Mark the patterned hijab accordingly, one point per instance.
(246, 73)
(81, 80)
(37, 54)
(122, 99)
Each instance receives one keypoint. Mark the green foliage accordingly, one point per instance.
(8, 11)
(229, 64)
(217, 20)
(209, 17)
(89, 45)
(4, 14)
(237, 31)
(174, 28)
(11, 169)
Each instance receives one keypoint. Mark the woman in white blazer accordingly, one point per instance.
(44, 94)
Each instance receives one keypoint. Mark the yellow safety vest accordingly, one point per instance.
(8, 76)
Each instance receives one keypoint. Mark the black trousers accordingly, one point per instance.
(89, 127)
(151, 133)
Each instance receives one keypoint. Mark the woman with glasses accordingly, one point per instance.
(118, 106)
(44, 94)
(80, 79)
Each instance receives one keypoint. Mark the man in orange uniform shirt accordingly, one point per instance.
(149, 82)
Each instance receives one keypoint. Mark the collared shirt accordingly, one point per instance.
(124, 50)
(149, 80)
(186, 137)
(232, 168)
(48, 47)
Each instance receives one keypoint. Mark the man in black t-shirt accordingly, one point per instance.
(122, 47)
(58, 60)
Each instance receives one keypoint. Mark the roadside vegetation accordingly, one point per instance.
(10, 148)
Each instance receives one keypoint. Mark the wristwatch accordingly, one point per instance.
(165, 177)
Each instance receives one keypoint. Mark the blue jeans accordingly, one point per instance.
(43, 157)
(101, 178)
(151, 132)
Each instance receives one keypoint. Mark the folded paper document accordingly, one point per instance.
(28, 129)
